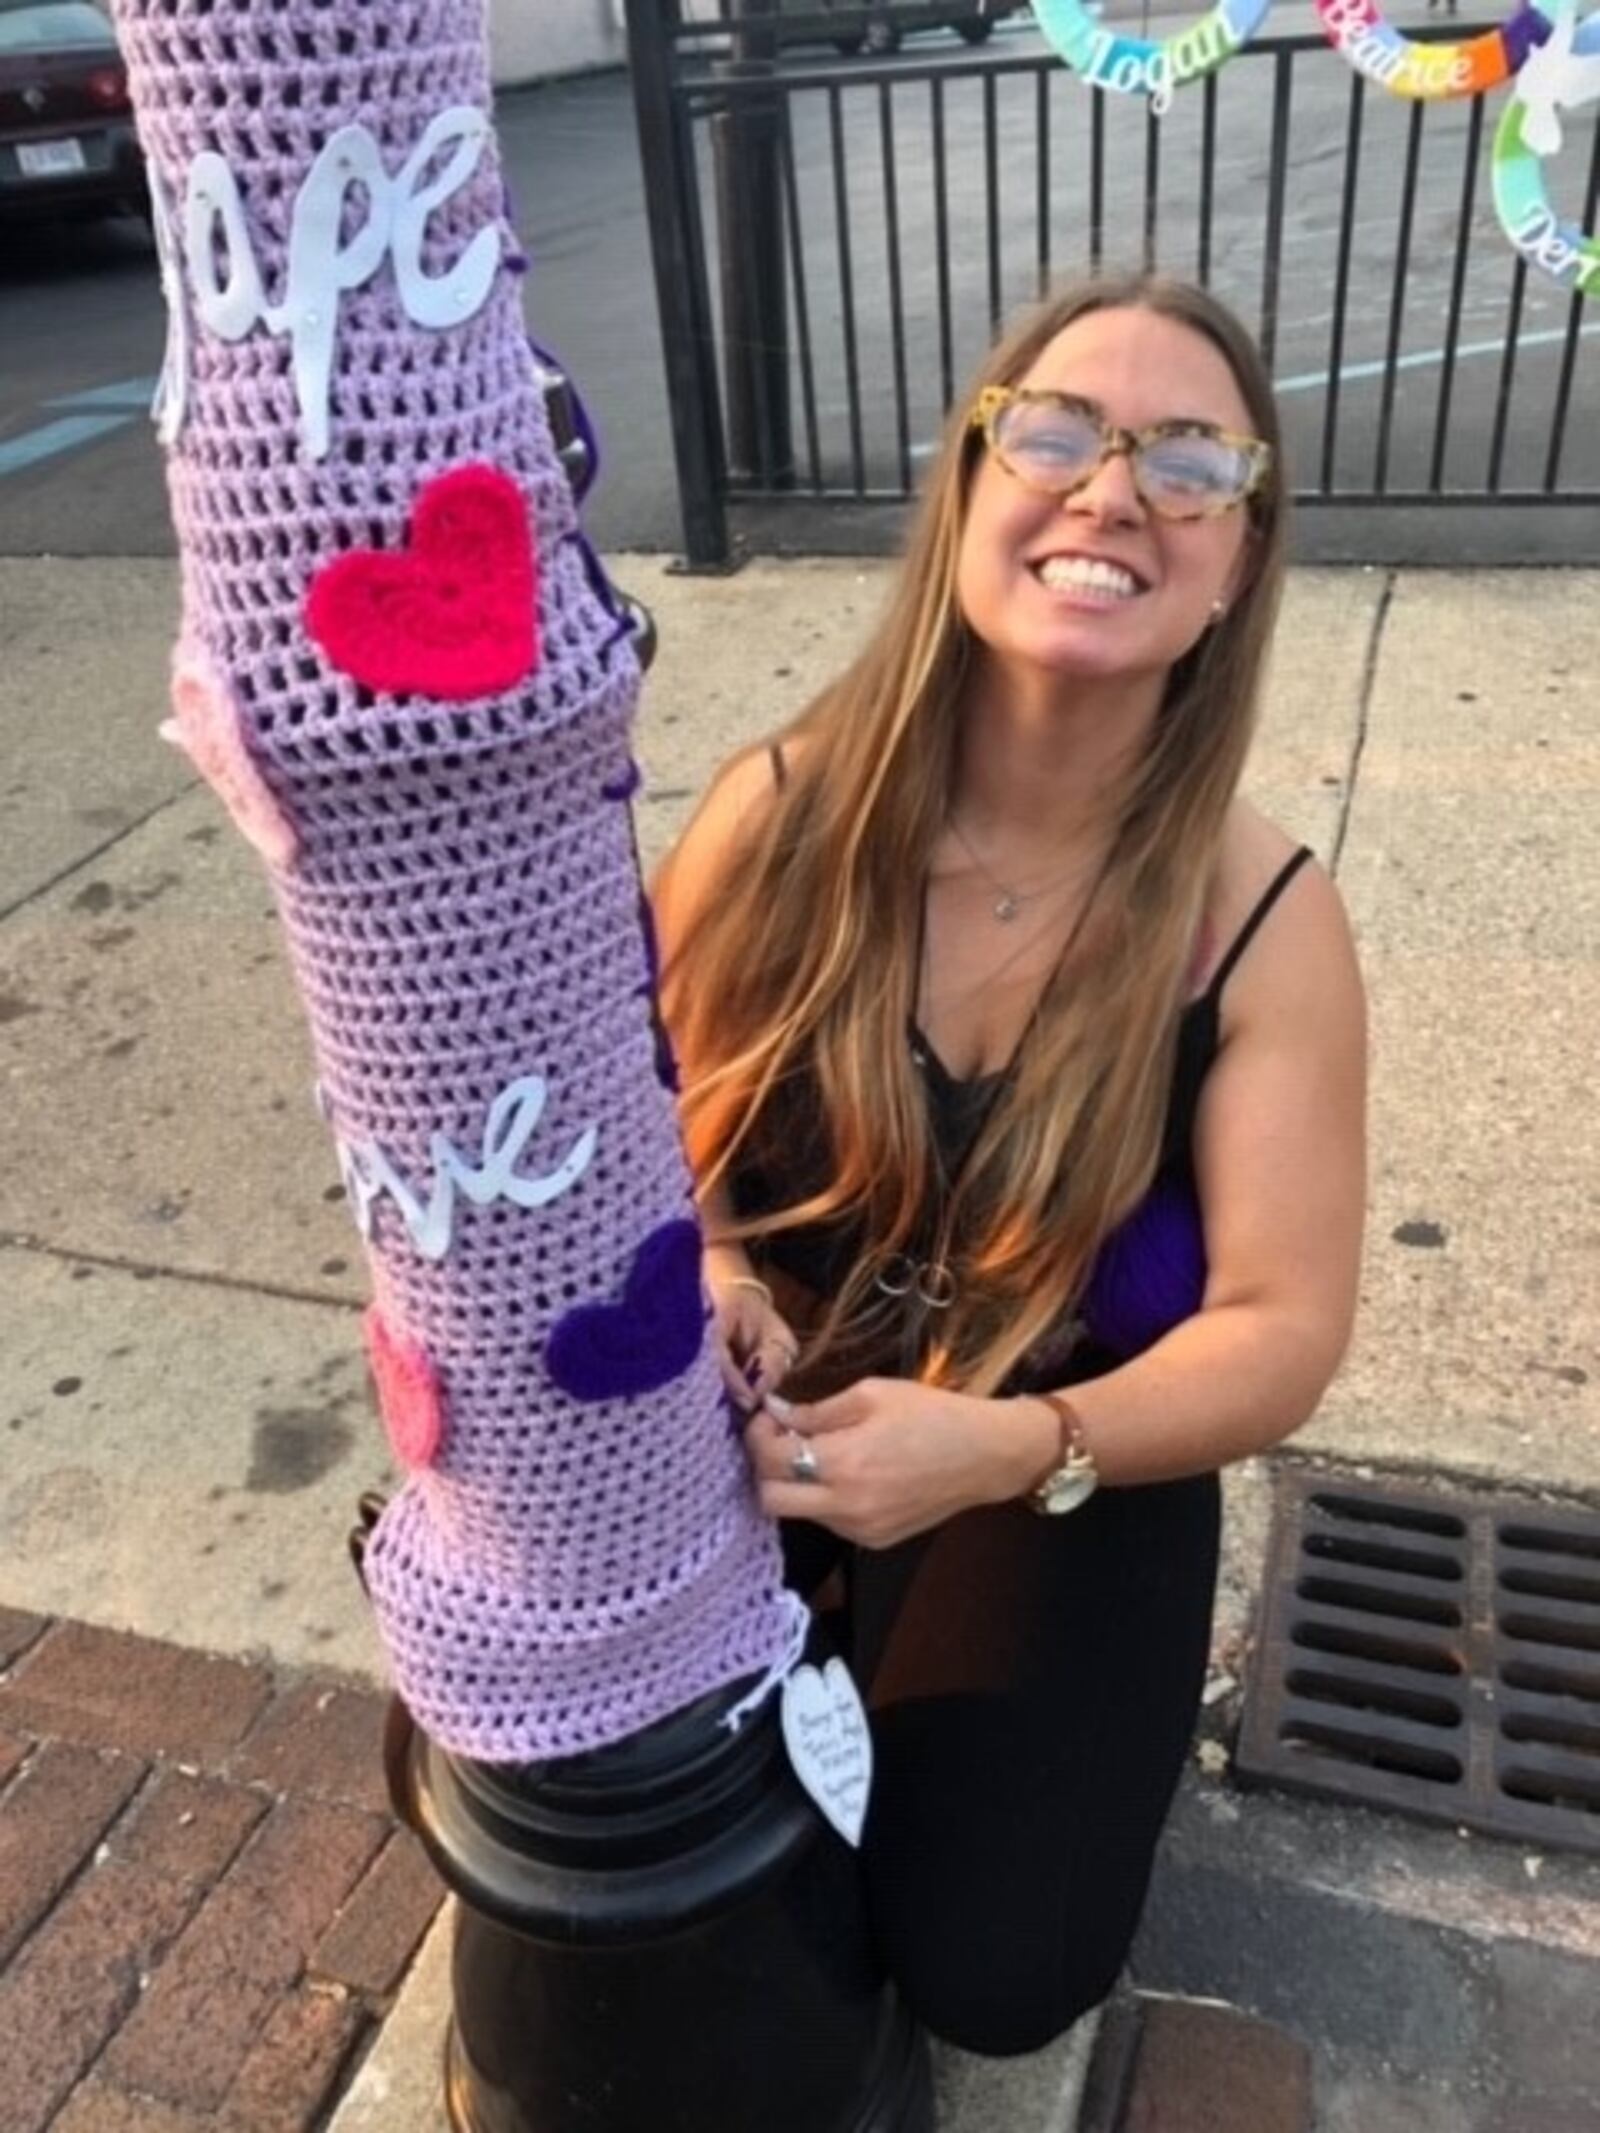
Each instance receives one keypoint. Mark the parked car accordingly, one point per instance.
(66, 128)
(880, 24)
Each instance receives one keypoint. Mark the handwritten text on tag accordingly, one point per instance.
(825, 1730)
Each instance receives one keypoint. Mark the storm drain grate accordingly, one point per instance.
(1435, 1654)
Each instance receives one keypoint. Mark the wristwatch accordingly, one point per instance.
(1075, 1477)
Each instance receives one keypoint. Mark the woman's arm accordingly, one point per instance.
(683, 886)
(758, 1344)
(1280, 1162)
(1280, 1159)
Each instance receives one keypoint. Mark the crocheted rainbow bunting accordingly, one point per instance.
(418, 694)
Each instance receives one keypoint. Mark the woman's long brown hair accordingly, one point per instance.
(804, 956)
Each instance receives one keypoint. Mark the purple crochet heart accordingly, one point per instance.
(613, 1351)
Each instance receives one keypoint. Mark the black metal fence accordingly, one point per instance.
(837, 241)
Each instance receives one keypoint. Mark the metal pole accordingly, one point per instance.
(658, 1938)
(682, 299)
(747, 146)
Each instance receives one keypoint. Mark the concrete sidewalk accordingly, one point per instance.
(186, 1424)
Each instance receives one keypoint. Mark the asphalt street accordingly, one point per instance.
(81, 324)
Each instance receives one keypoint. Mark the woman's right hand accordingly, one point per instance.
(756, 1344)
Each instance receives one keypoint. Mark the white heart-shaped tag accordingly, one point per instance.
(830, 1745)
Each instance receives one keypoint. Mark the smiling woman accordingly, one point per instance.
(1175, 553)
(1023, 1068)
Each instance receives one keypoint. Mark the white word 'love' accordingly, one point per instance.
(369, 1175)
(210, 256)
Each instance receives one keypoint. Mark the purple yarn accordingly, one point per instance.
(514, 262)
(462, 911)
(652, 946)
(599, 583)
(651, 1335)
(1522, 33)
(1150, 1274)
(666, 1063)
(622, 627)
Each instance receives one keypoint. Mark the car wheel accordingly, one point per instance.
(976, 28)
(850, 43)
(882, 37)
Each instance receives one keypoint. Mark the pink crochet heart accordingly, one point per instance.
(455, 615)
(208, 729)
(407, 1385)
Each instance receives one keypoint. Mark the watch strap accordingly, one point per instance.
(1070, 1448)
(1073, 1477)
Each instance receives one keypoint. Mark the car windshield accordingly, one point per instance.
(43, 25)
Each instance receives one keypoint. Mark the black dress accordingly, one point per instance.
(1033, 1682)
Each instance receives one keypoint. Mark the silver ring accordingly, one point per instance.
(896, 1276)
(936, 1285)
(804, 1464)
(789, 1350)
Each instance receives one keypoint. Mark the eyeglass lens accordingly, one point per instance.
(1057, 447)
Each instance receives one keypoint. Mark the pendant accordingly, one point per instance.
(1006, 907)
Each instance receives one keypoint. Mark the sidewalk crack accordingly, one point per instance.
(144, 1270)
(1369, 679)
(87, 859)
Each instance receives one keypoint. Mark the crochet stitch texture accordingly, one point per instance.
(458, 881)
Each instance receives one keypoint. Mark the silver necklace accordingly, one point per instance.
(932, 1282)
(1008, 901)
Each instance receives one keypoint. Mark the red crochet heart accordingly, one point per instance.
(455, 615)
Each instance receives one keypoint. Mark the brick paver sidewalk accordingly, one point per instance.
(1195, 2066)
(205, 1903)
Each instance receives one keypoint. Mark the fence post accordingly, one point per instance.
(747, 137)
(682, 299)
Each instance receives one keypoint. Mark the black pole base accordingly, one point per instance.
(659, 1937)
(900, 2100)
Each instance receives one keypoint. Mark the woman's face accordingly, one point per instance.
(1020, 579)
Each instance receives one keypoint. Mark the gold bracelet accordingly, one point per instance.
(749, 1281)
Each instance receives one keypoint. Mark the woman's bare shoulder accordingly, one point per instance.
(1254, 851)
(1254, 848)
(1305, 940)
(734, 805)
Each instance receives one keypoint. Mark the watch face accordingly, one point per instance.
(1065, 1490)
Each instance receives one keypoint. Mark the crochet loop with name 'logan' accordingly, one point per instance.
(403, 673)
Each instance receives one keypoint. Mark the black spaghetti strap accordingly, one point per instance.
(780, 769)
(1247, 932)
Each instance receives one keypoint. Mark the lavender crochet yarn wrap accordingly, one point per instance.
(403, 672)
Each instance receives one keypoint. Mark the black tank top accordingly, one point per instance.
(1148, 1275)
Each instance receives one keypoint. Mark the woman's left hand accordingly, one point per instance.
(894, 1458)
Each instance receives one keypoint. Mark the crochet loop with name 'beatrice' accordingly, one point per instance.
(405, 675)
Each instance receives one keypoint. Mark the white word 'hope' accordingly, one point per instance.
(225, 278)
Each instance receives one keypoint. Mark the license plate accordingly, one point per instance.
(50, 159)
